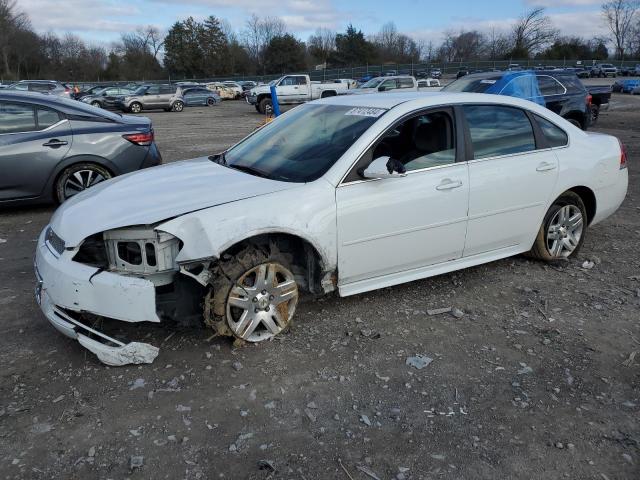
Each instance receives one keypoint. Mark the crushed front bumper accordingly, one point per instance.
(65, 289)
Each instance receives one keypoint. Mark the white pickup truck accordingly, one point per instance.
(292, 90)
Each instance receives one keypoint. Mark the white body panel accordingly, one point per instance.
(299, 93)
(372, 233)
(398, 224)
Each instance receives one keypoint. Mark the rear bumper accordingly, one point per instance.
(153, 157)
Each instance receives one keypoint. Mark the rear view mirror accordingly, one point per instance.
(384, 167)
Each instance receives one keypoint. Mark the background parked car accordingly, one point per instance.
(152, 97)
(462, 72)
(51, 87)
(106, 97)
(603, 70)
(53, 148)
(90, 91)
(236, 88)
(428, 83)
(387, 84)
(223, 91)
(193, 96)
(562, 92)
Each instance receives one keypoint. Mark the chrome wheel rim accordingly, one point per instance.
(262, 302)
(81, 180)
(135, 108)
(564, 231)
(178, 107)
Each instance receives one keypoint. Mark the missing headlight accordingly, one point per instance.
(143, 251)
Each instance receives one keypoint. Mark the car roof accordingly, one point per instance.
(424, 99)
(53, 101)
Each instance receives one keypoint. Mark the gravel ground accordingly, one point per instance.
(527, 380)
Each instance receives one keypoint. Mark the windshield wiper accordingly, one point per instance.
(250, 170)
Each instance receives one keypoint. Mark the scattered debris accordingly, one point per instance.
(237, 366)
(266, 465)
(631, 359)
(137, 383)
(367, 471)
(438, 311)
(419, 361)
(344, 469)
(525, 370)
(457, 313)
(588, 264)
(365, 419)
(136, 461)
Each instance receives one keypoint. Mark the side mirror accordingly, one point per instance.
(384, 167)
(382, 88)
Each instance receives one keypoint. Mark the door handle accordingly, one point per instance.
(448, 184)
(55, 143)
(545, 166)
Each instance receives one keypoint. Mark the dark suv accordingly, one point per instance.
(52, 148)
(562, 92)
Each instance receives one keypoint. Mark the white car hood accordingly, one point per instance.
(155, 194)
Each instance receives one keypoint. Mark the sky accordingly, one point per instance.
(102, 21)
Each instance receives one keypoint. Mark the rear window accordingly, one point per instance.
(164, 89)
(555, 136)
(572, 83)
(472, 85)
(46, 117)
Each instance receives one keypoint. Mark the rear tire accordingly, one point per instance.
(574, 122)
(210, 102)
(563, 229)
(77, 178)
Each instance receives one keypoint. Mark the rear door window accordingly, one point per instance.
(16, 117)
(498, 130)
(406, 83)
(41, 87)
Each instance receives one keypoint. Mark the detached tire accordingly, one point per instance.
(77, 178)
(265, 106)
(563, 229)
(254, 293)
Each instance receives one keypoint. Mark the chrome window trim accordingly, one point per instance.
(409, 172)
(555, 80)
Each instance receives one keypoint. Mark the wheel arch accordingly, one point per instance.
(70, 161)
(305, 252)
(588, 197)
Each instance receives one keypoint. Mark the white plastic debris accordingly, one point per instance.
(131, 353)
(419, 361)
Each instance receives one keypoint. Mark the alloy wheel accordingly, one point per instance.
(262, 302)
(564, 231)
(81, 180)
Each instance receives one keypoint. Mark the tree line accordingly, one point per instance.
(210, 48)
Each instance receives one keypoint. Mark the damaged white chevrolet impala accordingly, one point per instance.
(351, 193)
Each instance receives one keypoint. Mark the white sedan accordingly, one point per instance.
(352, 193)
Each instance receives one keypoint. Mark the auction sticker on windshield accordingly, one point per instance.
(366, 112)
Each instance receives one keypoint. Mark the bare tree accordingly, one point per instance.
(12, 22)
(619, 16)
(532, 32)
(498, 45)
(322, 43)
(258, 34)
(153, 39)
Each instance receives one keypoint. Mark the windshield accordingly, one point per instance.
(304, 144)
(470, 84)
(373, 83)
(274, 82)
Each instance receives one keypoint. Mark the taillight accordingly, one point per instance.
(623, 155)
(589, 99)
(143, 139)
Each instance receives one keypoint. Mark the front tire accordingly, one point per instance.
(210, 102)
(563, 229)
(178, 106)
(135, 107)
(77, 178)
(266, 106)
(254, 294)
(96, 104)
